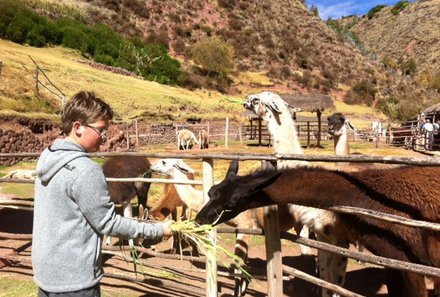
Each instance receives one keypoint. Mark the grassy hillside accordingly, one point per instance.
(130, 97)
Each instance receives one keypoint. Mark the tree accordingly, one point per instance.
(314, 10)
(214, 55)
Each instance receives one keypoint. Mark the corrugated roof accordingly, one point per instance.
(309, 102)
(432, 108)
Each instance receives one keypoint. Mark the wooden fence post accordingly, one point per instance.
(37, 90)
(240, 134)
(211, 262)
(308, 134)
(137, 134)
(128, 138)
(274, 265)
(226, 131)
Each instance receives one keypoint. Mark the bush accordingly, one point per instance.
(375, 10)
(361, 92)
(390, 107)
(409, 67)
(20, 24)
(214, 55)
(399, 6)
(75, 37)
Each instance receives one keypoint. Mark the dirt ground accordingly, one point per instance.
(175, 277)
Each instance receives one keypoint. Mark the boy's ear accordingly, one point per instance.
(78, 128)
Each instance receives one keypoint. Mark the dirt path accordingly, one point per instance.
(175, 277)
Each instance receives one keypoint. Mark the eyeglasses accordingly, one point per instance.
(101, 131)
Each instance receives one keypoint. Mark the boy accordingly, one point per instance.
(72, 208)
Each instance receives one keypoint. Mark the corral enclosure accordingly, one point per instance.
(252, 292)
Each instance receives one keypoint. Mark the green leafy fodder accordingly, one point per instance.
(191, 232)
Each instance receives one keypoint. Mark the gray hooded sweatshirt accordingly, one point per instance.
(71, 213)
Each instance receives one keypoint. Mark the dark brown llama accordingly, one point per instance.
(123, 192)
(411, 192)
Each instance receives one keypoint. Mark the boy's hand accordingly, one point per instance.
(167, 233)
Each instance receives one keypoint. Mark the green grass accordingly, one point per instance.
(13, 287)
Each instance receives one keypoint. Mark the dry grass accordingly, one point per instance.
(129, 96)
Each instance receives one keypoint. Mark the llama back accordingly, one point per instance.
(125, 167)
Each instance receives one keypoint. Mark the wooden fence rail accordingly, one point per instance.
(207, 182)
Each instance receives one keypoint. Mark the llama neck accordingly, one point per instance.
(323, 189)
(341, 143)
(192, 197)
(283, 132)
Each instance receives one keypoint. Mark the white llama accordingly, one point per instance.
(275, 111)
(192, 198)
(185, 139)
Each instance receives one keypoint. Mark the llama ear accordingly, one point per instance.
(264, 182)
(350, 126)
(233, 169)
(272, 106)
(182, 166)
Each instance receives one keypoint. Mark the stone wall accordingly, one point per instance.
(23, 135)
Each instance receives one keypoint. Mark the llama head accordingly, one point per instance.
(338, 124)
(166, 166)
(264, 102)
(234, 195)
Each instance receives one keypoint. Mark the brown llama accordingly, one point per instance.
(188, 196)
(203, 139)
(123, 192)
(411, 192)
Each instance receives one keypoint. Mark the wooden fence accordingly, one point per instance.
(275, 269)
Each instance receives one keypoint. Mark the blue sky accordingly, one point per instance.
(336, 9)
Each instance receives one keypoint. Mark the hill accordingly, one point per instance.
(402, 38)
(278, 45)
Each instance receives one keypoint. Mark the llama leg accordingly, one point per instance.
(436, 287)
(338, 266)
(128, 213)
(303, 231)
(332, 267)
(241, 250)
(324, 270)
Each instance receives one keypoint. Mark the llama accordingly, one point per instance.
(410, 192)
(123, 192)
(203, 139)
(337, 127)
(189, 196)
(21, 174)
(185, 139)
(176, 195)
(275, 111)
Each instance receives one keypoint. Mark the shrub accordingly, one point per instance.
(75, 38)
(390, 107)
(399, 6)
(361, 92)
(375, 10)
(409, 67)
(314, 10)
(214, 55)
